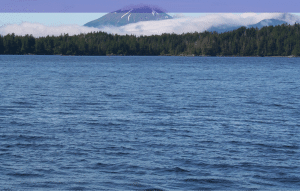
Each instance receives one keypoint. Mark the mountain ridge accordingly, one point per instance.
(259, 25)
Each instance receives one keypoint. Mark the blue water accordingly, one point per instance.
(149, 123)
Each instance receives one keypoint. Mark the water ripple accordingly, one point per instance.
(149, 123)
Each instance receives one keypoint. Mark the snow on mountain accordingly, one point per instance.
(136, 14)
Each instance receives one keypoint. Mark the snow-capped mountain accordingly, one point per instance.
(129, 15)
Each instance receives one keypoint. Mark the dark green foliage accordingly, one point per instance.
(282, 40)
(1, 45)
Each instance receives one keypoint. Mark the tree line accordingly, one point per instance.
(281, 40)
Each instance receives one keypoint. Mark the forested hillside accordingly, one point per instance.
(281, 40)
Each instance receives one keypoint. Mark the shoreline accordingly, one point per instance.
(291, 56)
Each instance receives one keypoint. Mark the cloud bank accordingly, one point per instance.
(39, 30)
(178, 25)
(200, 24)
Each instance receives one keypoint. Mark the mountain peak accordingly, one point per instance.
(130, 14)
(140, 9)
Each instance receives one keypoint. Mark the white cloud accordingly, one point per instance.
(245, 15)
(178, 25)
(178, 15)
(38, 30)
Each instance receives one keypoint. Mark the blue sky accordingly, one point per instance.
(172, 6)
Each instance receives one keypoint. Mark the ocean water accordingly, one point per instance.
(149, 123)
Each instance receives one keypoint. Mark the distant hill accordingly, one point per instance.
(259, 25)
(267, 22)
(129, 15)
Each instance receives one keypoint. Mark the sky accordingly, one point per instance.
(42, 17)
(176, 6)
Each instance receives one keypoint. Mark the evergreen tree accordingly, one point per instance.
(1, 45)
(267, 41)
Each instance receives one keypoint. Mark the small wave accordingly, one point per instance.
(77, 189)
(21, 102)
(101, 165)
(36, 145)
(290, 146)
(177, 169)
(22, 124)
(208, 180)
(223, 166)
(25, 175)
(286, 179)
(153, 189)
(8, 146)
(281, 106)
